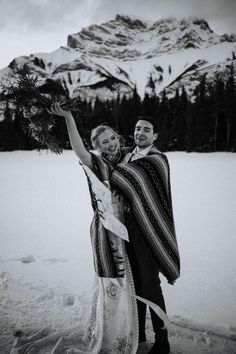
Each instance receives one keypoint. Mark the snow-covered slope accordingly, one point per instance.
(111, 58)
(46, 263)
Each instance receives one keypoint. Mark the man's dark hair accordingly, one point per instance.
(150, 120)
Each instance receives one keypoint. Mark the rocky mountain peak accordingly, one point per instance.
(129, 38)
(116, 56)
(130, 22)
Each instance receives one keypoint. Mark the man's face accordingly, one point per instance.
(143, 134)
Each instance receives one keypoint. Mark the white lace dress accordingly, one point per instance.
(112, 325)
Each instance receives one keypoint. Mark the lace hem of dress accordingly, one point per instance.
(112, 326)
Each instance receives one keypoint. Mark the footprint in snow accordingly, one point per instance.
(56, 260)
(27, 259)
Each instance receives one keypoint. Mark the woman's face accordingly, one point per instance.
(108, 142)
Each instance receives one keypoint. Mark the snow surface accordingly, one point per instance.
(46, 269)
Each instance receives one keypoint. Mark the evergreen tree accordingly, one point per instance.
(208, 124)
(127, 112)
(23, 139)
(98, 112)
(178, 111)
(184, 105)
(134, 110)
(150, 106)
(164, 121)
(8, 134)
(201, 112)
(122, 123)
(115, 112)
(230, 94)
(174, 114)
(146, 105)
(190, 127)
(218, 96)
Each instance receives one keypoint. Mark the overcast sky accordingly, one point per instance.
(31, 26)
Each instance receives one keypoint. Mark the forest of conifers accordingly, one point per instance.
(206, 125)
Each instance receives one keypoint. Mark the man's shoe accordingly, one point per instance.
(158, 348)
(161, 345)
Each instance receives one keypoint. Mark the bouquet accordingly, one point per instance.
(35, 101)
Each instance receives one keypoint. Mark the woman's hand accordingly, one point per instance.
(57, 110)
(75, 138)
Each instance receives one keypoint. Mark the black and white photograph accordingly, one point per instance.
(117, 177)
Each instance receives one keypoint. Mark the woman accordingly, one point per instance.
(112, 326)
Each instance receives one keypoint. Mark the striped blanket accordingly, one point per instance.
(106, 246)
(145, 183)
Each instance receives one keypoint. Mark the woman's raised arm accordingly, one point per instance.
(75, 138)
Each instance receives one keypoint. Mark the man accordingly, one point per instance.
(144, 181)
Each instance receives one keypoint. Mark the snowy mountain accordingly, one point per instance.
(111, 58)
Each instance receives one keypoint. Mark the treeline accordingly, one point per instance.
(206, 125)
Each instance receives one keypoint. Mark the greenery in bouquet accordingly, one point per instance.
(35, 100)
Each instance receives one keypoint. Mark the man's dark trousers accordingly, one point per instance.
(145, 273)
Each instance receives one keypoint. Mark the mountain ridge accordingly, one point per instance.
(114, 57)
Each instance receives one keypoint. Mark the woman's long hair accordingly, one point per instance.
(99, 130)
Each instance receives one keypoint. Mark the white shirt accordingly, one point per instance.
(137, 153)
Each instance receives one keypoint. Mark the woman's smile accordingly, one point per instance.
(108, 142)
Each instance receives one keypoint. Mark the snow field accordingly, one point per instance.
(46, 267)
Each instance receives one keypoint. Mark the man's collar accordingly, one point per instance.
(143, 152)
(134, 154)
